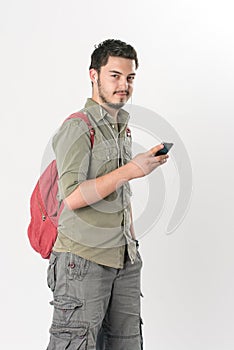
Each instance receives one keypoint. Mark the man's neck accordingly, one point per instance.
(112, 111)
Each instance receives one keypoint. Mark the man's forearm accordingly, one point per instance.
(93, 190)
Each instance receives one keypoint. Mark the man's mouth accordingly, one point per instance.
(121, 93)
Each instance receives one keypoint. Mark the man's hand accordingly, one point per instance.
(144, 163)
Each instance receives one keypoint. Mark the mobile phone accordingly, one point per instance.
(165, 149)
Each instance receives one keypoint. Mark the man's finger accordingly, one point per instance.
(162, 159)
(155, 149)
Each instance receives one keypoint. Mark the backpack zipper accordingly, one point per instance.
(43, 216)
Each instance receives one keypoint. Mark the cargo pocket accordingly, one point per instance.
(51, 272)
(69, 338)
(64, 309)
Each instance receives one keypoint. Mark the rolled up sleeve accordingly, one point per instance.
(72, 149)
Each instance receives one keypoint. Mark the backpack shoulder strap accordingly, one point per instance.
(85, 118)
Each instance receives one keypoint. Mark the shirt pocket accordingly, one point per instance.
(127, 150)
(104, 160)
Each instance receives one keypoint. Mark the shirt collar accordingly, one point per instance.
(98, 112)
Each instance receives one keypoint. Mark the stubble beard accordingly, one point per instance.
(109, 104)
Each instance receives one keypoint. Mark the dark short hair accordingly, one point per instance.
(111, 47)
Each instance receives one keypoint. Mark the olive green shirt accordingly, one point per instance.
(99, 232)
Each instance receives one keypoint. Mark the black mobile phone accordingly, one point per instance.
(165, 149)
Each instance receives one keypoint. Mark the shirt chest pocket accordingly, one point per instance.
(104, 159)
(127, 150)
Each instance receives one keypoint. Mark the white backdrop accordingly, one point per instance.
(186, 52)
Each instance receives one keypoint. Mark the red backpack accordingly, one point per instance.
(44, 205)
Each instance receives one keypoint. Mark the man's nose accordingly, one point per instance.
(123, 84)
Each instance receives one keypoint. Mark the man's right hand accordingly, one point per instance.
(144, 163)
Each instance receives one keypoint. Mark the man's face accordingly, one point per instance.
(115, 82)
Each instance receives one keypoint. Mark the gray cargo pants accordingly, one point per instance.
(95, 307)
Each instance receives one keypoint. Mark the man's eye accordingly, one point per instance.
(131, 78)
(114, 75)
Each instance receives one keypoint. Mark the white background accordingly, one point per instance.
(186, 52)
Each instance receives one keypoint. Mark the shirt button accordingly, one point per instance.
(113, 126)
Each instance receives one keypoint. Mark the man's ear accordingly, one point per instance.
(93, 75)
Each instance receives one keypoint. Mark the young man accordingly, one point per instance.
(94, 270)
